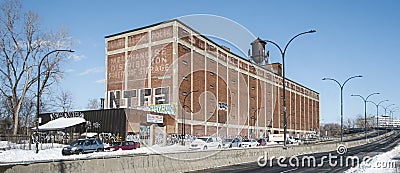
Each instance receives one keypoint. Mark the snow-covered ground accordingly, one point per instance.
(385, 162)
(52, 152)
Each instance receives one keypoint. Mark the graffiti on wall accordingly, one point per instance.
(66, 115)
(169, 109)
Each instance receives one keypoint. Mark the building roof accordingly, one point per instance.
(61, 123)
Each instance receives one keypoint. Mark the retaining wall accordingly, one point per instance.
(178, 162)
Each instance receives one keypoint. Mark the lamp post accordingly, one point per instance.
(38, 94)
(385, 108)
(183, 114)
(283, 52)
(341, 101)
(391, 115)
(365, 111)
(377, 112)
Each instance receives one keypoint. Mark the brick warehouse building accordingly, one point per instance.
(166, 66)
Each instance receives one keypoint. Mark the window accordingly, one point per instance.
(212, 100)
(233, 81)
(185, 47)
(184, 78)
(145, 95)
(184, 62)
(211, 86)
(161, 95)
(211, 73)
(211, 60)
(253, 88)
(184, 93)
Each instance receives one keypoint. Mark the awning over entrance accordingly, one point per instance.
(61, 123)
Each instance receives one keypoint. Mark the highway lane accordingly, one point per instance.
(323, 163)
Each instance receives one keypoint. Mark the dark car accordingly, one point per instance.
(81, 146)
(229, 143)
(262, 142)
(123, 145)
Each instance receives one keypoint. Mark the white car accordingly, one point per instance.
(206, 142)
(247, 143)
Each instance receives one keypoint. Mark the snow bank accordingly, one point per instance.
(385, 162)
(53, 154)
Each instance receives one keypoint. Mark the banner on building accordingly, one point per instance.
(154, 118)
(169, 109)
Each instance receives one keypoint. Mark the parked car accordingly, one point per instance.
(262, 142)
(81, 146)
(229, 143)
(293, 140)
(206, 142)
(247, 143)
(123, 145)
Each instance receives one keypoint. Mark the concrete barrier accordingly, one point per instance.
(179, 162)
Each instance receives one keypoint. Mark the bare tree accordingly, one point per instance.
(22, 46)
(27, 114)
(63, 101)
(359, 121)
(93, 104)
(349, 123)
(332, 129)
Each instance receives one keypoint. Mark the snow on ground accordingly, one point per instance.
(385, 162)
(52, 152)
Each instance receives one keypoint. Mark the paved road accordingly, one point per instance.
(370, 135)
(360, 152)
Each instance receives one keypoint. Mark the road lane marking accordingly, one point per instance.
(290, 170)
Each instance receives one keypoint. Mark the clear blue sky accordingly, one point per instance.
(353, 37)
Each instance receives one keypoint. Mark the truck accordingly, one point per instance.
(278, 138)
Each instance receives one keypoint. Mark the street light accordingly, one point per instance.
(183, 114)
(38, 94)
(377, 113)
(341, 101)
(391, 114)
(283, 78)
(365, 111)
(385, 108)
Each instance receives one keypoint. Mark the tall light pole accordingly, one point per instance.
(283, 52)
(183, 115)
(377, 113)
(38, 94)
(365, 111)
(341, 101)
(385, 108)
(391, 114)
